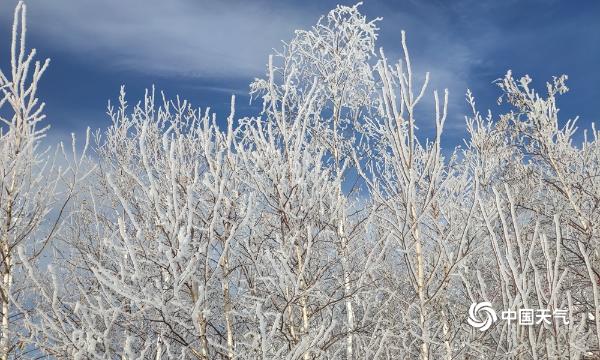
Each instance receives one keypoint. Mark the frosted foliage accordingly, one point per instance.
(37, 187)
(325, 227)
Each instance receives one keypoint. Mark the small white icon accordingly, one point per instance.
(482, 316)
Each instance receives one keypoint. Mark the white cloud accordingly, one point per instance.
(175, 37)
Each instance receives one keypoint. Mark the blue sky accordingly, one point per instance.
(207, 50)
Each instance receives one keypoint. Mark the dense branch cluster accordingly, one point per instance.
(324, 227)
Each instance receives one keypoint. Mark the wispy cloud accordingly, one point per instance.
(175, 37)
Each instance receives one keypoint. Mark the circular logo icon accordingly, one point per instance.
(482, 316)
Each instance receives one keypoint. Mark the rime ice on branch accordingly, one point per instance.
(325, 227)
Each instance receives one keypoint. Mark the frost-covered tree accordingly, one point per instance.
(330, 66)
(422, 204)
(324, 227)
(536, 199)
(152, 265)
(35, 189)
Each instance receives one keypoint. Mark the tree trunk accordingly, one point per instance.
(420, 285)
(6, 285)
(227, 305)
(7, 276)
